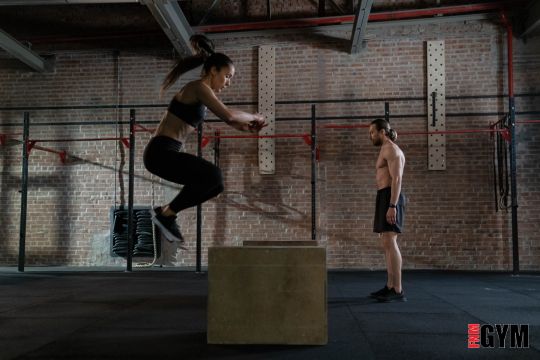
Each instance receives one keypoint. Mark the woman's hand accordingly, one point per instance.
(257, 123)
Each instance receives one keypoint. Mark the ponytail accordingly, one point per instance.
(382, 124)
(203, 48)
(202, 45)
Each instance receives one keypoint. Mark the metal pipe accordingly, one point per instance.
(513, 145)
(24, 193)
(78, 139)
(513, 186)
(275, 136)
(217, 142)
(495, 142)
(129, 252)
(313, 174)
(447, 132)
(387, 111)
(528, 122)
(236, 103)
(199, 208)
(283, 119)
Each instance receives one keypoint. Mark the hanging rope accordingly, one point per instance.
(501, 164)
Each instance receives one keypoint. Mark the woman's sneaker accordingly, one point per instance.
(167, 225)
(381, 292)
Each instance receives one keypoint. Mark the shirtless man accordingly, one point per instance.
(390, 206)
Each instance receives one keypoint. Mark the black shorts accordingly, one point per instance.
(380, 224)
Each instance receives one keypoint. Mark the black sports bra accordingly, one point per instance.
(193, 114)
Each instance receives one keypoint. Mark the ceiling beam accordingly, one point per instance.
(23, 53)
(360, 24)
(336, 7)
(322, 8)
(344, 27)
(170, 17)
(431, 14)
(205, 17)
(61, 2)
(532, 23)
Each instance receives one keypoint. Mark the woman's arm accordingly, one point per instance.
(238, 119)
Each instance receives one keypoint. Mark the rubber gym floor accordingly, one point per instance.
(63, 313)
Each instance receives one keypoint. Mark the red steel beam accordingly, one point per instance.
(509, 50)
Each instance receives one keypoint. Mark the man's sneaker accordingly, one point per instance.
(167, 225)
(381, 292)
(392, 295)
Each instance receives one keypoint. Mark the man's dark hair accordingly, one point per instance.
(382, 124)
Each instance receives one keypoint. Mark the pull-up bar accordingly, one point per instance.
(309, 138)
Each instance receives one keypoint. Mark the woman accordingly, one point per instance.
(202, 180)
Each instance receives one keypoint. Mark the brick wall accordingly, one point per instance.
(451, 222)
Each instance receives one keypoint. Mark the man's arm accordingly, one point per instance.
(396, 162)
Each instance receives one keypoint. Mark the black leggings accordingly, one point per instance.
(202, 180)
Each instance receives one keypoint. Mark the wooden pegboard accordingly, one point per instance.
(436, 86)
(267, 104)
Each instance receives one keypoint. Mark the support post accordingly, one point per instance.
(129, 253)
(313, 174)
(217, 142)
(268, 10)
(513, 148)
(24, 193)
(513, 185)
(199, 207)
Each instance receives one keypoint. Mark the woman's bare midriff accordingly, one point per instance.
(174, 127)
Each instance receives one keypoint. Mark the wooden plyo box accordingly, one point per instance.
(267, 295)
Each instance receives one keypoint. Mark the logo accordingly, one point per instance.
(497, 336)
